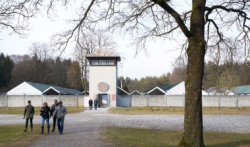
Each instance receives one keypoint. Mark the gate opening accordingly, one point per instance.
(103, 100)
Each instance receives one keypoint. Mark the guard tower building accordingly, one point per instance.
(103, 77)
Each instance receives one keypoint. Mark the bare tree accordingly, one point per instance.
(148, 19)
(88, 44)
(42, 54)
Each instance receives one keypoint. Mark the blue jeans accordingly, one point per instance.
(60, 122)
(47, 120)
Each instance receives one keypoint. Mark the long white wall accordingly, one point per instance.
(136, 100)
(37, 100)
(179, 100)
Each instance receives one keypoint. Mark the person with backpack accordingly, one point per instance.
(45, 112)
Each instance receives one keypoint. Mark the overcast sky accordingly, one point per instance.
(157, 61)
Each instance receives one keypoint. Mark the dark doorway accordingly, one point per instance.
(103, 100)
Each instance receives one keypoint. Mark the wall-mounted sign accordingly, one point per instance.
(103, 87)
(113, 97)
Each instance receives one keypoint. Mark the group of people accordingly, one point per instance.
(91, 103)
(57, 112)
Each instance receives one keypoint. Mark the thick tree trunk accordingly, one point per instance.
(193, 125)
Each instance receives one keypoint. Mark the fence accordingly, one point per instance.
(179, 101)
(128, 101)
(37, 100)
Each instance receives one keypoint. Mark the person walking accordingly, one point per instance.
(60, 112)
(29, 111)
(45, 112)
(53, 108)
(90, 104)
(96, 103)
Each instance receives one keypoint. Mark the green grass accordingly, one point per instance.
(127, 137)
(20, 110)
(13, 135)
(176, 110)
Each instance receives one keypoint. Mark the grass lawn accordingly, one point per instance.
(13, 135)
(127, 137)
(20, 110)
(176, 110)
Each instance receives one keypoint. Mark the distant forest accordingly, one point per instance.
(228, 74)
(39, 67)
(42, 67)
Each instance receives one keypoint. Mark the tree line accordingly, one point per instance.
(6, 66)
(40, 67)
(227, 74)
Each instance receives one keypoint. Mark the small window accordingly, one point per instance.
(94, 62)
(102, 62)
(110, 62)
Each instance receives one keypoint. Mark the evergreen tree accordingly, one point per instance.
(125, 87)
(6, 66)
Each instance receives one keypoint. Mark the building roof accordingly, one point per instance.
(245, 89)
(157, 91)
(43, 88)
(103, 53)
(211, 89)
(135, 92)
(165, 88)
(146, 91)
(122, 92)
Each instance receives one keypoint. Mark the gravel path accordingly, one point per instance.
(82, 129)
(213, 123)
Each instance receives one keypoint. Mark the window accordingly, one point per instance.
(94, 62)
(110, 62)
(102, 62)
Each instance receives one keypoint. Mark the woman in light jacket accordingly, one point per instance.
(45, 112)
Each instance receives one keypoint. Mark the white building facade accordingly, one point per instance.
(103, 78)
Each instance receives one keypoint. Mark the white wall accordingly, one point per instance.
(69, 101)
(37, 101)
(139, 101)
(3, 100)
(16, 101)
(177, 90)
(210, 101)
(157, 100)
(24, 89)
(244, 100)
(228, 101)
(50, 99)
(105, 74)
(175, 100)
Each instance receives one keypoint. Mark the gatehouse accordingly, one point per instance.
(103, 77)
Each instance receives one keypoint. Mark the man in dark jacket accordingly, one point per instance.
(96, 103)
(90, 104)
(53, 108)
(28, 115)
